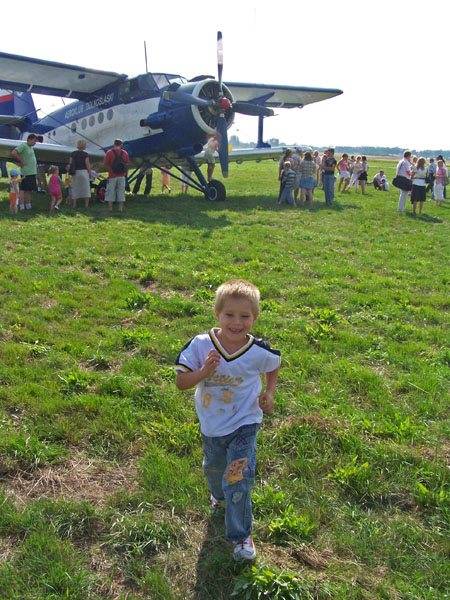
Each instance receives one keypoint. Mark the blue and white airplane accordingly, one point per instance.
(164, 119)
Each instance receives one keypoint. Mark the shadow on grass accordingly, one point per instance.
(194, 211)
(422, 217)
(216, 569)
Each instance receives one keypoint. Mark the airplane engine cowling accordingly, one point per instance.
(178, 125)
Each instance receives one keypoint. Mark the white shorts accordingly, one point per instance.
(115, 190)
(344, 175)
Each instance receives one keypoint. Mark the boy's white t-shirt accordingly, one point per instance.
(228, 398)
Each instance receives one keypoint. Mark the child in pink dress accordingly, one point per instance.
(55, 188)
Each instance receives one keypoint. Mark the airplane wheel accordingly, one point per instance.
(217, 191)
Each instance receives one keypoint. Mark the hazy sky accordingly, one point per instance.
(389, 58)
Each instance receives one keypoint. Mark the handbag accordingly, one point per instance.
(402, 183)
(72, 166)
(445, 180)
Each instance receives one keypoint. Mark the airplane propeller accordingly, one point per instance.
(218, 103)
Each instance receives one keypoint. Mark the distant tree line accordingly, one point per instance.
(368, 150)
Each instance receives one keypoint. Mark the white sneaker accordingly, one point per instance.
(244, 550)
(215, 506)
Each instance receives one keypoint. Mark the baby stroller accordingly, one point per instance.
(99, 188)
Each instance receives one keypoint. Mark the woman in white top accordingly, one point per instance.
(418, 191)
(403, 169)
(356, 172)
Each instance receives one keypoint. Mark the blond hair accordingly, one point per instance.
(237, 288)
(81, 144)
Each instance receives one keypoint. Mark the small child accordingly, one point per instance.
(225, 365)
(68, 186)
(55, 187)
(288, 179)
(14, 191)
(185, 179)
(165, 181)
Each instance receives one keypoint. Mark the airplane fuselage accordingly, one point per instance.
(137, 112)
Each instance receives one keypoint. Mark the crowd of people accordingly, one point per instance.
(300, 172)
(81, 180)
(307, 170)
(304, 171)
(414, 179)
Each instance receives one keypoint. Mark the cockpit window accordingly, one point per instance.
(164, 79)
(147, 85)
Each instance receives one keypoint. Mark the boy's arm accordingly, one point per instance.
(189, 379)
(266, 398)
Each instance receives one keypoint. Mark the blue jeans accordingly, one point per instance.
(286, 196)
(328, 187)
(229, 466)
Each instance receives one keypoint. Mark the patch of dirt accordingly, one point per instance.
(442, 452)
(8, 547)
(317, 560)
(80, 478)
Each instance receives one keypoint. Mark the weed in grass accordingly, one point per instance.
(153, 582)
(138, 533)
(45, 567)
(256, 583)
(76, 382)
(354, 478)
(36, 349)
(23, 450)
(174, 436)
(268, 501)
(99, 362)
(289, 526)
(140, 338)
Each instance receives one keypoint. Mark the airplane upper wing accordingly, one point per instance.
(279, 96)
(47, 153)
(52, 78)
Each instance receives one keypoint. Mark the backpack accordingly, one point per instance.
(118, 164)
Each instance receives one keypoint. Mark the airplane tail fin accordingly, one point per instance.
(18, 104)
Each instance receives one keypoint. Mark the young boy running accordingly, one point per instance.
(225, 366)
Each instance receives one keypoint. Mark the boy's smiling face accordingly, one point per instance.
(236, 319)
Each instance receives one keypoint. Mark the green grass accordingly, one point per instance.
(101, 490)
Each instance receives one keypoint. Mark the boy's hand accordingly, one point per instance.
(211, 363)
(265, 402)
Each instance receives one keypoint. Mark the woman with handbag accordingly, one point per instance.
(363, 175)
(403, 171)
(418, 191)
(80, 169)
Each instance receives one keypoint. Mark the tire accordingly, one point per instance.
(217, 191)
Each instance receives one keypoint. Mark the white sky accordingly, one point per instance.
(389, 58)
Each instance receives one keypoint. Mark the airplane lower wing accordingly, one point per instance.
(47, 153)
(246, 154)
(52, 78)
(279, 96)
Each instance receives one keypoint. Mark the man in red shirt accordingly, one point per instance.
(117, 161)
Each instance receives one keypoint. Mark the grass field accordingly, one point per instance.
(101, 490)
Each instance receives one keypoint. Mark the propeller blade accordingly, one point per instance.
(254, 110)
(219, 59)
(185, 98)
(222, 132)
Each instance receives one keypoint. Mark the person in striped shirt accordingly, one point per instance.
(288, 179)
